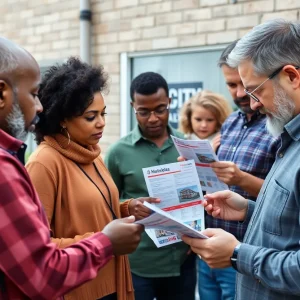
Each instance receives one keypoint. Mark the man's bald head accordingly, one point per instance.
(12, 56)
(19, 83)
(8, 58)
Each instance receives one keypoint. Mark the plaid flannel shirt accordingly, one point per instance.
(31, 266)
(252, 149)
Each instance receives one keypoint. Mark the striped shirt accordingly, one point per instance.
(252, 149)
(31, 267)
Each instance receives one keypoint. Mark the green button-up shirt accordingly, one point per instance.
(125, 160)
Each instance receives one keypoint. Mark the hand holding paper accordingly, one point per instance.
(217, 249)
(226, 205)
(228, 172)
(140, 211)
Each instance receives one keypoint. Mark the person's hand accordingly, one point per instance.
(180, 158)
(216, 250)
(137, 209)
(228, 172)
(123, 234)
(226, 205)
(216, 142)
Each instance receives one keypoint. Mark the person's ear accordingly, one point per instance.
(132, 104)
(170, 100)
(63, 124)
(3, 92)
(293, 76)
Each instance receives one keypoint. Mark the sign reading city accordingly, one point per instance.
(181, 92)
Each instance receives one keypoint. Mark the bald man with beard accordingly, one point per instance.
(31, 267)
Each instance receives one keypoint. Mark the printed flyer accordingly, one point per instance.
(167, 226)
(203, 154)
(177, 186)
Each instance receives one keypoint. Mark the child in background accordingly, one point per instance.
(202, 116)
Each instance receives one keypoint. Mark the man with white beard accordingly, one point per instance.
(268, 259)
(31, 266)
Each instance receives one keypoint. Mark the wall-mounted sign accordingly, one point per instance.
(181, 92)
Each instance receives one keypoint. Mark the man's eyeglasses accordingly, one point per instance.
(159, 112)
(250, 94)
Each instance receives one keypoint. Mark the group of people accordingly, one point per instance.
(67, 217)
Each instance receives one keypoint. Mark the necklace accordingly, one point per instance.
(109, 204)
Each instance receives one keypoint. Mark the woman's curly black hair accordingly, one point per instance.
(65, 92)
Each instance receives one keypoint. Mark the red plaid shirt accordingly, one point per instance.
(31, 267)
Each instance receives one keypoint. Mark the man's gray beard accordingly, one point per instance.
(16, 123)
(284, 111)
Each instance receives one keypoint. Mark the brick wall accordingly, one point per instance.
(49, 29)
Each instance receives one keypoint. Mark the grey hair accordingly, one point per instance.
(16, 122)
(268, 46)
(8, 60)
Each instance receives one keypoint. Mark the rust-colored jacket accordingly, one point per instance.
(76, 209)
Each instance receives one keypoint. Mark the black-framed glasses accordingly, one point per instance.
(159, 112)
(250, 94)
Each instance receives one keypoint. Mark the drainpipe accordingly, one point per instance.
(85, 30)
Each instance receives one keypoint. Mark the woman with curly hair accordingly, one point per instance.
(202, 116)
(76, 189)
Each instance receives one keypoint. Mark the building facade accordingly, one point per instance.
(181, 39)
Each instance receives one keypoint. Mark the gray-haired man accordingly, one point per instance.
(268, 260)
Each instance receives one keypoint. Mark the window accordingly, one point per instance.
(187, 71)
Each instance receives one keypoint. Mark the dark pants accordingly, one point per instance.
(110, 297)
(168, 288)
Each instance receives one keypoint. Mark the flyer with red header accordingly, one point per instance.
(178, 187)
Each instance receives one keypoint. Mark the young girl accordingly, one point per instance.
(202, 116)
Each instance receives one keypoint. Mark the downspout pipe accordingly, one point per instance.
(85, 30)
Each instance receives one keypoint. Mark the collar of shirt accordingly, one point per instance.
(293, 128)
(13, 146)
(137, 134)
(256, 116)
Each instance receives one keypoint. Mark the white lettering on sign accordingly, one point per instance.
(179, 96)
